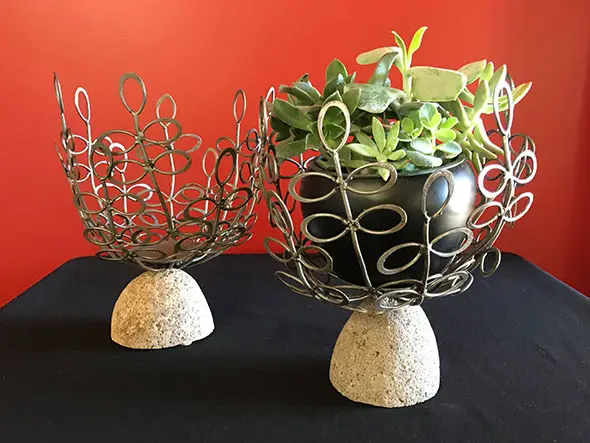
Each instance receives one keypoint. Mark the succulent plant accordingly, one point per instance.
(431, 120)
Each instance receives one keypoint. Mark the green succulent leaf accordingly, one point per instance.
(373, 56)
(399, 165)
(334, 68)
(435, 84)
(289, 148)
(416, 40)
(402, 47)
(282, 136)
(487, 73)
(407, 125)
(290, 115)
(313, 142)
(298, 93)
(335, 96)
(445, 135)
(376, 99)
(364, 150)
(518, 94)
(335, 84)
(279, 125)
(473, 70)
(422, 145)
(381, 73)
(498, 77)
(457, 109)
(423, 160)
(309, 89)
(378, 134)
(304, 78)
(366, 140)
(396, 155)
(333, 131)
(450, 149)
(384, 173)
(449, 123)
(351, 99)
(410, 167)
(350, 79)
(426, 112)
(416, 132)
(392, 137)
(482, 95)
(467, 96)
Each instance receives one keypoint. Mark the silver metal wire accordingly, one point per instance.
(310, 268)
(126, 184)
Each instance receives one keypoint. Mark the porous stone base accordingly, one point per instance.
(389, 360)
(161, 309)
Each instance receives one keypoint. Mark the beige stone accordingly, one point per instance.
(161, 309)
(389, 360)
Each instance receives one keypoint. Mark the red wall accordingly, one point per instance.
(201, 51)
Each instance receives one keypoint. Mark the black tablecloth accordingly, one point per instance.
(515, 365)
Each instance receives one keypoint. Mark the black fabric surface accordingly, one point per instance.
(515, 365)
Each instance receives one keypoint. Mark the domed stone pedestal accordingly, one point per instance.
(161, 309)
(389, 360)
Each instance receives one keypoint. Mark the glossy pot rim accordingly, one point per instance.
(456, 162)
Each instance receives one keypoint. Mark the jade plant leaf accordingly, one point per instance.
(436, 84)
(424, 160)
(473, 70)
(378, 134)
(351, 99)
(450, 149)
(498, 77)
(518, 94)
(334, 68)
(290, 148)
(416, 40)
(449, 123)
(289, 114)
(407, 125)
(426, 113)
(482, 95)
(422, 145)
(487, 73)
(376, 99)
(298, 93)
(312, 141)
(334, 85)
(373, 56)
(381, 73)
(279, 125)
(445, 135)
(309, 89)
(402, 47)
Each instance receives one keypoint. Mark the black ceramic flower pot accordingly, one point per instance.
(406, 193)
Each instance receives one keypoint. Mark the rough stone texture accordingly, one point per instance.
(389, 360)
(160, 310)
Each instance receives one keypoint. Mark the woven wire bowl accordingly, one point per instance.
(136, 190)
(310, 267)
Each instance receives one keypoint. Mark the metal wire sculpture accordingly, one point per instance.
(310, 268)
(127, 189)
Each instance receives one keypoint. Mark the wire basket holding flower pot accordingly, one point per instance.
(400, 201)
(141, 200)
